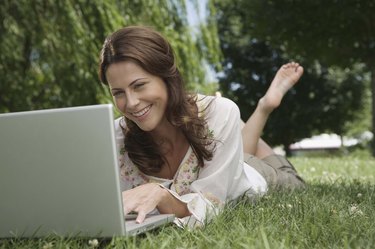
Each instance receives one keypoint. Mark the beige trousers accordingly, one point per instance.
(277, 170)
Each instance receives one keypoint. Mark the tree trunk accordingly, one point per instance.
(341, 141)
(372, 68)
(288, 152)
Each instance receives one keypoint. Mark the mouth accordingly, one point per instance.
(141, 112)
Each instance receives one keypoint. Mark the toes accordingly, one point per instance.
(297, 66)
(292, 65)
(299, 69)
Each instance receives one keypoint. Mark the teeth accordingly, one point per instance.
(141, 112)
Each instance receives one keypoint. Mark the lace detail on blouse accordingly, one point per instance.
(130, 173)
(187, 173)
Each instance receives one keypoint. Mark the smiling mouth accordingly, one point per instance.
(141, 112)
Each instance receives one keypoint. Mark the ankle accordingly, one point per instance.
(265, 107)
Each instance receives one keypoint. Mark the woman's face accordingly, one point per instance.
(140, 96)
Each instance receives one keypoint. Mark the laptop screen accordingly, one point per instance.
(59, 173)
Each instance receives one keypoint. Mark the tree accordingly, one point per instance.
(50, 49)
(323, 101)
(332, 32)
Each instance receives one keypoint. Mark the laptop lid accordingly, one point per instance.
(59, 173)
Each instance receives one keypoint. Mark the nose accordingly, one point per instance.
(132, 100)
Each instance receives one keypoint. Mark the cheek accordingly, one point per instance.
(164, 94)
(120, 104)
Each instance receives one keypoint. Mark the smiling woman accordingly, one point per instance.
(184, 153)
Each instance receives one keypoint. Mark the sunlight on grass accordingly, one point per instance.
(330, 169)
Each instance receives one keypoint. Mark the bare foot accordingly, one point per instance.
(285, 78)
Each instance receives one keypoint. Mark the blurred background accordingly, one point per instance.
(49, 53)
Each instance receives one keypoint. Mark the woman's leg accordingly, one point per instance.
(285, 78)
(277, 170)
(263, 149)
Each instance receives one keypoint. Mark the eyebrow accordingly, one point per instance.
(131, 83)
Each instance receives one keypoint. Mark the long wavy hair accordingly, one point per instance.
(151, 51)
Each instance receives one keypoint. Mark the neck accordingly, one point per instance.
(168, 136)
(173, 146)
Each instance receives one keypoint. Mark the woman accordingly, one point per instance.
(179, 153)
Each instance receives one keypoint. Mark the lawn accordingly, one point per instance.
(337, 210)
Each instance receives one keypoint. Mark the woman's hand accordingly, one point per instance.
(143, 199)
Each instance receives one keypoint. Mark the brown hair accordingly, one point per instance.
(154, 54)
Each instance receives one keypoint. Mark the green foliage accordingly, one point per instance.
(50, 49)
(339, 33)
(350, 98)
(49, 58)
(326, 99)
(337, 210)
(333, 32)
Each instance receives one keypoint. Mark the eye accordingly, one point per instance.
(138, 85)
(117, 93)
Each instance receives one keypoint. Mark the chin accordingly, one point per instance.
(146, 128)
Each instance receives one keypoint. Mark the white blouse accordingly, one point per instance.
(206, 189)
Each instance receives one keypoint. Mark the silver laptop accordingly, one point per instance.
(59, 175)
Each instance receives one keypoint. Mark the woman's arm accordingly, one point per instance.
(223, 178)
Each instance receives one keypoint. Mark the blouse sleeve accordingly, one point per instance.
(222, 179)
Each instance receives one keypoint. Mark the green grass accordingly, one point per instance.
(337, 210)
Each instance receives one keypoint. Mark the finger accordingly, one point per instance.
(129, 208)
(126, 207)
(141, 217)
